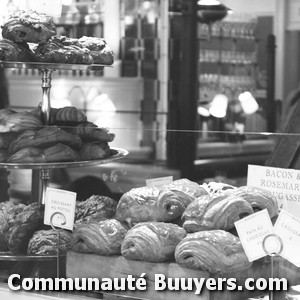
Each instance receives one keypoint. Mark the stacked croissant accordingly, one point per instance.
(184, 221)
(69, 138)
(29, 36)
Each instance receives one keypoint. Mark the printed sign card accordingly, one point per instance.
(252, 230)
(284, 184)
(287, 227)
(159, 181)
(61, 205)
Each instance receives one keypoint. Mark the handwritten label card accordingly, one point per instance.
(252, 230)
(159, 181)
(284, 184)
(287, 227)
(61, 205)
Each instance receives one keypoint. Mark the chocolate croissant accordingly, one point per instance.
(28, 26)
(11, 51)
(152, 241)
(104, 237)
(215, 251)
(207, 212)
(258, 198)
(149, 204)
(44, 138)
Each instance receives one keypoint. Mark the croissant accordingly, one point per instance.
(91, 132)
(215, 251)
(68, 114)
(94, 150)
(258, 198)
(17, 122)
(59, 153)
(152, 241)
(27, 155)
(220, 212)
(28, 26)
(104, 237)
(44, 138)
(6, 139)
(149, 204)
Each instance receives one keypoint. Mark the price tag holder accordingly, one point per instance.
(159, 181)
(51, 8)
(287, 227)
(252, 230)
(60, 208)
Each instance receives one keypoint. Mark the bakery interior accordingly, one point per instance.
(194, 92)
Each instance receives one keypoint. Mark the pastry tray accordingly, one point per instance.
(116, 153)
(51, 66)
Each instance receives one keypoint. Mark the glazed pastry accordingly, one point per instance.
(186, 189)
(94, 150)
(91, 132)
(56, 153)
(104, 237)
(100, 51)
(207, 212)
(215, 251)
(152, 241)
(10, 51)
(95, 208)
(45, 242)
(28, 26)
(6, 139)
(66, 115)
(61, 49)
(11, 121)
(25, 224)
(149, 204)
(44, 138)
(258, 198)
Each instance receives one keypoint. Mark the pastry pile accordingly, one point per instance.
(29, 36)
(69, 138)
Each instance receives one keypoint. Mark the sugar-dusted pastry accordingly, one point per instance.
(100, 51)
(11, 51)
(220, 212)
(95, 208)
(28, 26)
(44, 138)
(104, 237)
(152, 241)
(61, 49)
(150, 204)
(215, 251)
(94, 150)
(45, 242)
(12, 121)
(259, 198)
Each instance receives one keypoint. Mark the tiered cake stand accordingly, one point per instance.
(41, 172)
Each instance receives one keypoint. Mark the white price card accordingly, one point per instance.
(60, 207)
(287, 227)
(159, 181)
(252, 230)
(284, 184)
(51, 8)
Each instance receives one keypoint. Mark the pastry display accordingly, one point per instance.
(58, 152)
(220, 212)
(216, 251)
(45, 242)
(25, 225)
(100, 51)
(152, 241)
(61, 49)
(11, 51)
(12, 121)
(104, 237)
(95, 208)
(258, 198)
(28, 26)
